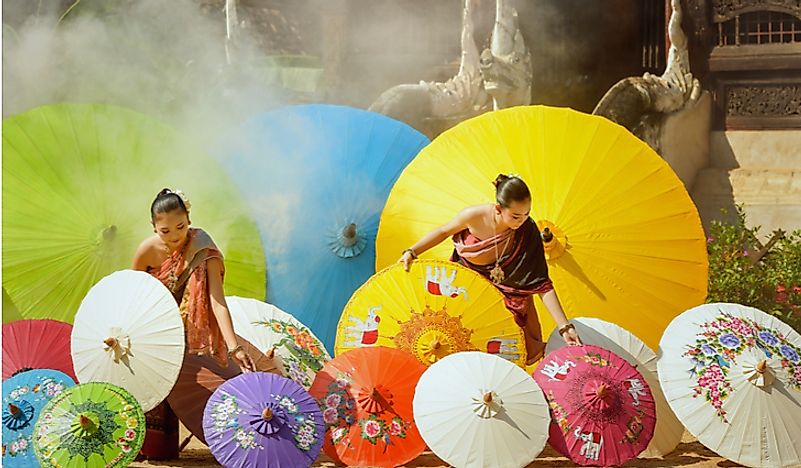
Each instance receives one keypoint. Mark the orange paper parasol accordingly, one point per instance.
(366, 398)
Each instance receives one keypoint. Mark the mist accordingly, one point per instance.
(166, 59)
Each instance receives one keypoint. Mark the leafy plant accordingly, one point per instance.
(743, 270)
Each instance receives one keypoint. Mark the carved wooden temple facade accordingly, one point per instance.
(748, 53)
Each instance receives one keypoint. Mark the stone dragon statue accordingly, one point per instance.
(506, 65)
(638, 103)
(500, 77)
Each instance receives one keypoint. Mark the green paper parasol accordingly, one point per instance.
(10, 311)
(95, 424)
(78, 181)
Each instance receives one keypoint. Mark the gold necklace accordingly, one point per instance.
(175, 259)
(496, 274)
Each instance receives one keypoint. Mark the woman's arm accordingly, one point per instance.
(551, 301)
(437, 235)
(221, 313)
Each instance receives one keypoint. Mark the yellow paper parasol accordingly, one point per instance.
(627, 244)
(435, 309)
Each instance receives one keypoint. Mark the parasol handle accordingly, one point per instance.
(374, 401)
(435, 344)
(601, 391)
(110, 232)
(761, 367)
(267, 414)
(111, 342)
(349, 235)
(487, 405)
(13, 409)
(547, 235)
(185, 442)
(85, 422)
(271, 353)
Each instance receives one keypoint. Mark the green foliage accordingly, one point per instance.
(737, 274)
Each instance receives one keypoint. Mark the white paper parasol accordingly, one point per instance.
(474, 409)
(128, 332)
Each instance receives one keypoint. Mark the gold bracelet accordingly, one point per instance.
(233, 351)
(567, 327)
(411, 251)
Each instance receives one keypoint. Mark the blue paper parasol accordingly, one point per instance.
(24, 395)
(316, 178)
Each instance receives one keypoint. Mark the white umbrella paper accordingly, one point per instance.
(593, 331)
(732, 374)
(128, 332)
(474, 410)
(270, 329)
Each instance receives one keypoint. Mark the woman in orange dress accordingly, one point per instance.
(188, 263)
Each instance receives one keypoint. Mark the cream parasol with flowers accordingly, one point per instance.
(732, 374)
(279, 335)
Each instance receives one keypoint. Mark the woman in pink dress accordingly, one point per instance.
(502, 243)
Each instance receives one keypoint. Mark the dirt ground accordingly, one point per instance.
(689, 453)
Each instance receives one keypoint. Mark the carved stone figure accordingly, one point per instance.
(639, 102)
(461, 95)
(506, 65)
(500, 77)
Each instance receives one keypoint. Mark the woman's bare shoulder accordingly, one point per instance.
(148, 253)
(152, 243)
(476, 212)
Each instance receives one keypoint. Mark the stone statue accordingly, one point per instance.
(499, 77)
(638, 103)
(506, 65)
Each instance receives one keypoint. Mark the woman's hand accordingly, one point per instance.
(571, 337)
(243, 360)
(406, 259)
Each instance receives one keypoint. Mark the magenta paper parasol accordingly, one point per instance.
(602, 410)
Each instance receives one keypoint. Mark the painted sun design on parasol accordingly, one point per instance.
(432, 335)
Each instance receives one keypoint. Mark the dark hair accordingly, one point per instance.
(509, 189)
(167, 201)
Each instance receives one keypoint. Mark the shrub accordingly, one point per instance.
(743, 270)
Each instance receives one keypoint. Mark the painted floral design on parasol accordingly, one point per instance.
(92, 424)
(294, 347)
(24, 395)
(718, 347)
(732, 374)
(260, 419)
(366, 399)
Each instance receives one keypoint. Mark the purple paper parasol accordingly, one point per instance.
(265, 420)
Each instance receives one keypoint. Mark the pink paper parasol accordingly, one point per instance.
(37, 344)
(602, 409)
